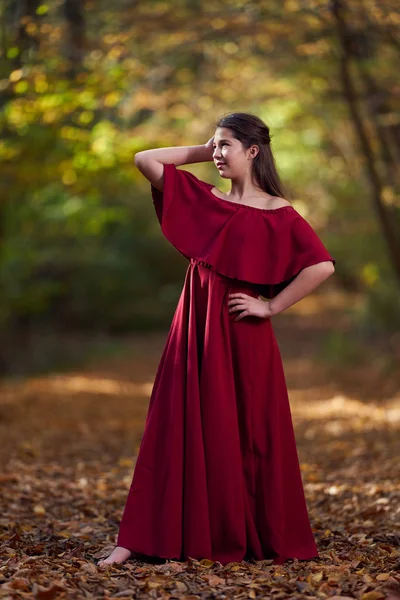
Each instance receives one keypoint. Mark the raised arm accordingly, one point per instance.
(150, 162)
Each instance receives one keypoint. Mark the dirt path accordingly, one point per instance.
(68, 447)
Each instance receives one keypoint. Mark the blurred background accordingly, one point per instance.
(86, 85)
(89, 285)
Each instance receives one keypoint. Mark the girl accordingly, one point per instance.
(217, 475)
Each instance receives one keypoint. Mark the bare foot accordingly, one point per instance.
(118, 555)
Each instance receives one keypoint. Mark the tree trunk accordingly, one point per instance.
(377, 183)
(74, 11)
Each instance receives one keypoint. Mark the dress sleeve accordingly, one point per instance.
(189, 219)
(308, 248)
(162, 199)
(302, 249)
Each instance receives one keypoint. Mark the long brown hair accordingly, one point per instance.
(250, 129)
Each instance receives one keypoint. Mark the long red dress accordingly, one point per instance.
(217, 475)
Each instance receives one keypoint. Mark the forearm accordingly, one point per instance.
(177, 155)
(305, 282)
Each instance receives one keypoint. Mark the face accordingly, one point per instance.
(229, 156)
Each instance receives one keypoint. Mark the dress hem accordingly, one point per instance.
(135, 554)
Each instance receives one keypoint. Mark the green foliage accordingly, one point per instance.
(72, 258)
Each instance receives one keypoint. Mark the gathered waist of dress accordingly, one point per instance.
(203, 263)
(233, 282)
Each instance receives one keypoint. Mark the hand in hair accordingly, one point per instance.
(209, 145)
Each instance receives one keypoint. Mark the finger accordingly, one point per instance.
(243, 314)
(238, 307)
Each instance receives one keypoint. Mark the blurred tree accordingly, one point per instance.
(381, 158)
(74, 11)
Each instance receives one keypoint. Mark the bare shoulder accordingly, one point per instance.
(280, 202)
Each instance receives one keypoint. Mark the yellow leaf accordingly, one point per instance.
(125, 462)
(64, 533)
(327, 532)
(153, 584)
(316, 577)
(374, 595)
(206, 562)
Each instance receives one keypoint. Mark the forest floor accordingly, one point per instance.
(68, 447)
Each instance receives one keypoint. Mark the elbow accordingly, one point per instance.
(324, 269)
(329, 269)
(137, 158)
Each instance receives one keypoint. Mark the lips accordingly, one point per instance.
(221, 164)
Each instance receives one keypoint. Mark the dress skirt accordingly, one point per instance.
(217, 475)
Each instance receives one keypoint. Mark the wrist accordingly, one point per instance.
(199, 153)
(208, 152)
(270, 309)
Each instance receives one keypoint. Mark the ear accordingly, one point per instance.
(254, 150)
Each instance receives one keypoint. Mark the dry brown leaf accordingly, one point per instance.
(49, 593)
(214, 580)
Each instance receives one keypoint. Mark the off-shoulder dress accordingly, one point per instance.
(217, 474)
